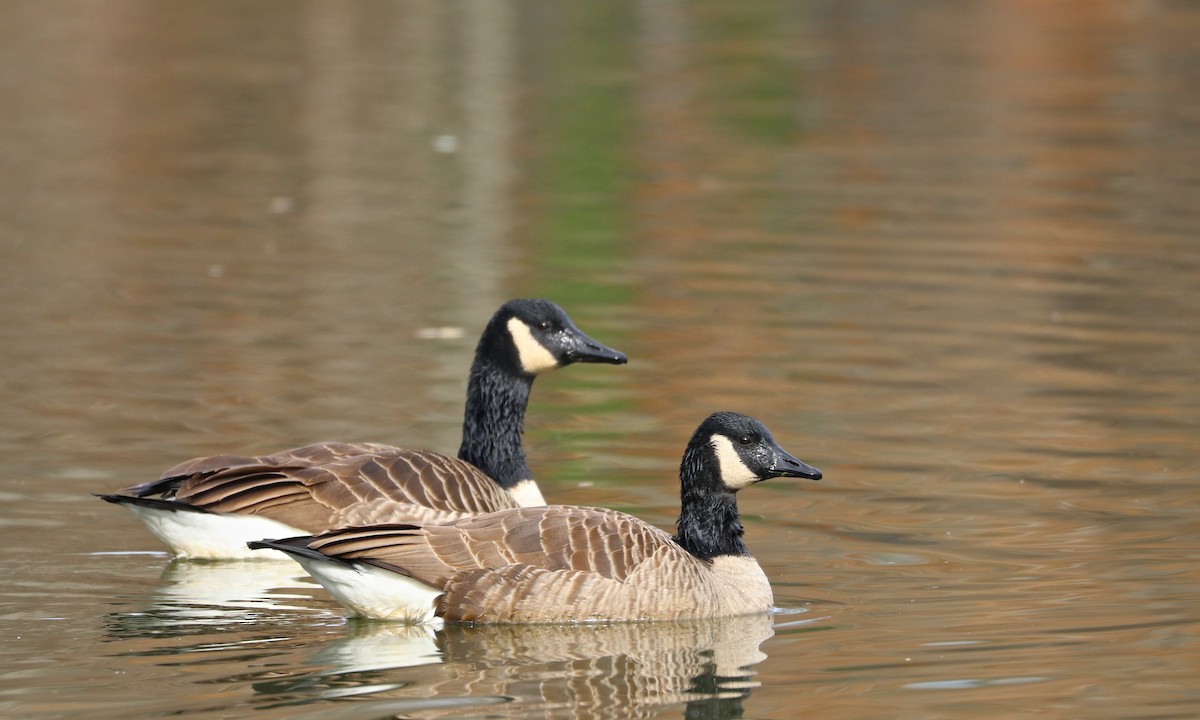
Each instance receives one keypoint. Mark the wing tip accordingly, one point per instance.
(297, 547)
(148, 502)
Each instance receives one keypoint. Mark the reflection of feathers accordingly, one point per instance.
(201, 597)
(732, 643)
(247, 584)
(618, 670)
(376, 646)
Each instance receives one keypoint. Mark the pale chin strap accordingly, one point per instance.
(534, 357)
(734, 473)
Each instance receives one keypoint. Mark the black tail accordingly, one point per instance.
(296, 546)
(172, 505)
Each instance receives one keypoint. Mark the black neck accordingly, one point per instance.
(709, 524)
(493, 422)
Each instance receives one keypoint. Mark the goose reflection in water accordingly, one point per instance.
(618, 670)
(200, 597)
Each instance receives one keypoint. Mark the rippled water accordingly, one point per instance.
(947, 252)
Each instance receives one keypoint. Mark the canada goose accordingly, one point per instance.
(210, 507)
(563, 563)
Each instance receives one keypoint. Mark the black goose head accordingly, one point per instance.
(529, 337)
(726, 453)
(740, 451)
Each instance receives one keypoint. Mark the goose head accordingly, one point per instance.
(742, 452)
(726, 453)
(532, 336)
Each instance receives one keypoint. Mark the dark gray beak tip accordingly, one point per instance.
(791, 467)
(618, 358)
(593, 352)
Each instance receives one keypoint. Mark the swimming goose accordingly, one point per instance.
(564, 563)
(210, 507)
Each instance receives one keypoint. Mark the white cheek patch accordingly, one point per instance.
(734, 473)
(534, 357)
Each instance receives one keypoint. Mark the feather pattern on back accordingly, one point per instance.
(563, 563)
(549, 564)
(327, 485)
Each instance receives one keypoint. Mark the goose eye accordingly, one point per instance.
(543, 325)
(745, 440)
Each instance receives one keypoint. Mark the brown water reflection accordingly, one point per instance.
(947, 252)
(622, 670)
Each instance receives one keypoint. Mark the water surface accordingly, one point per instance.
(948, 253)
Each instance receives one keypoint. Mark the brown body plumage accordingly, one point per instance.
(329, 485)
(563, 563)
(556, 564)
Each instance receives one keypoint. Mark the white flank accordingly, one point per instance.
(214, 536)
(527, 494)
(373, 593)
(734, 472)
(535, 358)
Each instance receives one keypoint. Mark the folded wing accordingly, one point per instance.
(327, 485)
(545, 564)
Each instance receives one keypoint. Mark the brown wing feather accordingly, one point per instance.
(548, 564)
(605, 543)
(305, 456)
(319, 487)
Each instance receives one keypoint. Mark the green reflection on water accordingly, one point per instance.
(582, 173)
(580, 231)
(750, 69)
